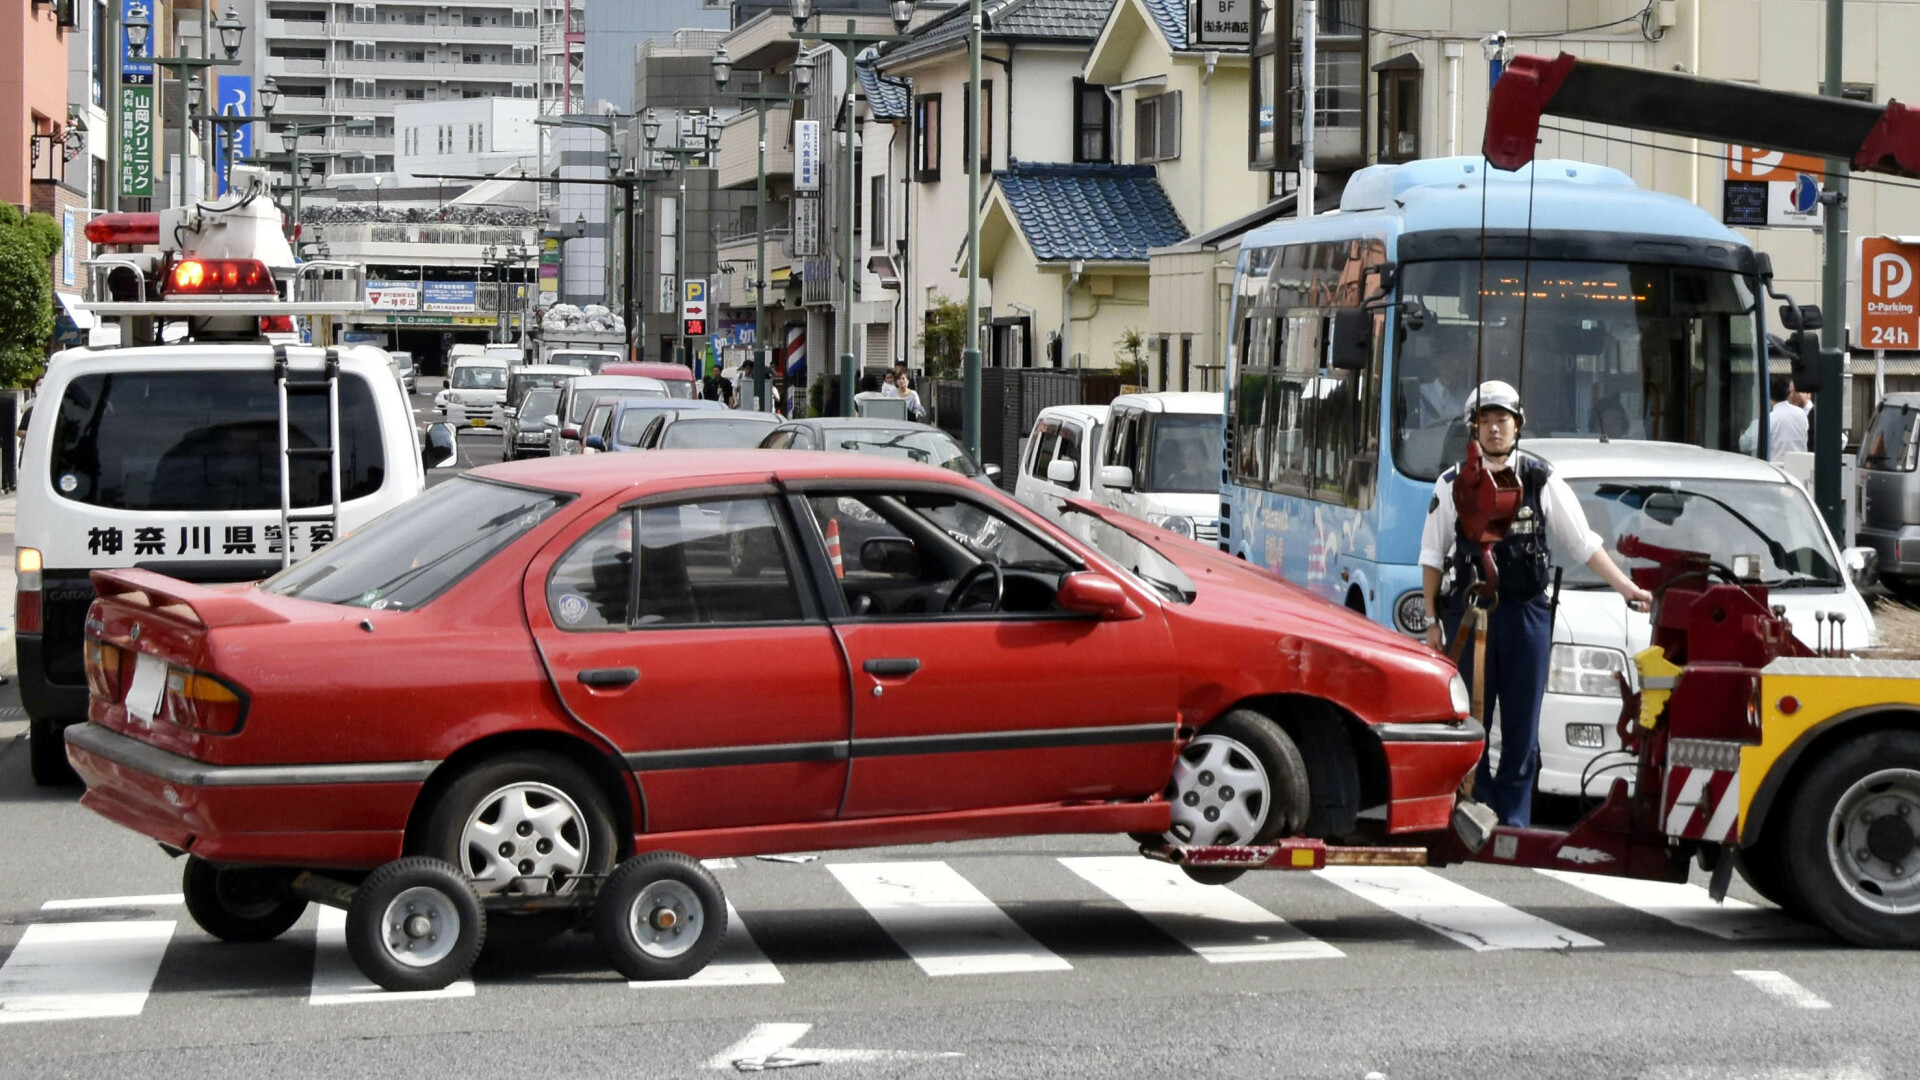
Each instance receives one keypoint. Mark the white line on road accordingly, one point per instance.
(1212, 920)
(770, 1046)
(1782, 986)
(151, 900)
(719, 864)
(739, 962)
(1452, 910)
(1690, 906)
(73, 971)
(940, 920)
(337, 982)
(762, 1042)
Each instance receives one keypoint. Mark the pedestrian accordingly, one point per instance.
(1519, 629)
(1787, 424)
(898, 386)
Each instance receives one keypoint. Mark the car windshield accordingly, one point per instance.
(928, 447)
(583, 399)
(479, 377)
(1145, 562)
(679, 388)
(1183, 453)
(539, 404)
(525, 381)
(585, 361)
(720, 433)
(419, 549)
(1773, 522)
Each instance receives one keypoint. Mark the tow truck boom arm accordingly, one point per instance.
(1874, 138)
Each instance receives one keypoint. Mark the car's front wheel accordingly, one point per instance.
(1240, 781)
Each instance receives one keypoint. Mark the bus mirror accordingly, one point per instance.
(1352, 339)
(1803, 349)
(1801, 316)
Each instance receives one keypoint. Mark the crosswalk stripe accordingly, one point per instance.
(941, 921)
(1452, 910)
(739, 962)
(74, 971)
(1218, 923)
(337, 982)
(1689, 906)
(149, 900)
(1782, 986)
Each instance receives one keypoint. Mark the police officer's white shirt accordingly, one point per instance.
(1567, 527)
(1786, 430)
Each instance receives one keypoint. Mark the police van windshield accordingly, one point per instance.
(205, 440)
(1629, 350)
(1724, 518)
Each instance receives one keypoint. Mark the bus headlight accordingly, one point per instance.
(1410, 612)
(1585, 670)
(1173, 523)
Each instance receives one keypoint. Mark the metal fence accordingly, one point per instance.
(1010, 401)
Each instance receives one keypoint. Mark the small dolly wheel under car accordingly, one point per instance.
(660, 916)
(415, 924)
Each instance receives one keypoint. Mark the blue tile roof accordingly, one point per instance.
(1009, 20)
(1110, 212)
(888, 97)
(1171, 17)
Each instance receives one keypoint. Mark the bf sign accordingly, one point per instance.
(1889, 293)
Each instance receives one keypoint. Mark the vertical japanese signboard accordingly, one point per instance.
(135, 102)
(549, 270)
(236, 99)
(693, 308)
(806, 155)
(806, 227)
(1889, 294)
(69, 259)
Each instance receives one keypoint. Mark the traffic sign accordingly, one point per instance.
(693, 307)
(1889, 293)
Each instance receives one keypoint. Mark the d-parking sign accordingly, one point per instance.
(1889, 293)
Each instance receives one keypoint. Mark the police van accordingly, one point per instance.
(198, 447)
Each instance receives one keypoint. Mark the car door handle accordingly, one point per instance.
(609, 676)
(902, 665)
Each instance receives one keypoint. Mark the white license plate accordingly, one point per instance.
(149, 683)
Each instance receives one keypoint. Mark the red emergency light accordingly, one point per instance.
(217, 277)
(276, 324)
(124, 230)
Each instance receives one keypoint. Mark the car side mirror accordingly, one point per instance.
(1352, 339)
(1063, 471)
(596, 443)
(551, 420)
(894, 555)
(511, 411)
(1861, 562)
(570, 432)
(1089, 593)
(1118, 477)
(992, 472)
(438, 450)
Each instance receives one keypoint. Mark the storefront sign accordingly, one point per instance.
(1222, 23)
(394, 295)
(806, 228)
(806, 155)
(448, 296)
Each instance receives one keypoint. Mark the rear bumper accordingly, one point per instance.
(1425, 765)
(347, 817)
(1888, 544)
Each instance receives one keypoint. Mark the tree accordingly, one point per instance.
(943, 337)
(26, 294)
(1133, 345)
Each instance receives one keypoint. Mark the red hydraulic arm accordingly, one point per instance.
(1875, 138)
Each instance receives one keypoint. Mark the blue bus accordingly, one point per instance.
(1357, 336)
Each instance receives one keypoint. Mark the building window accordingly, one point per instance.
(1092, 122)
(1399, 110)
(523, 54)
(877, 213)
(416, 56)
(524, 17)
(523, 89)
(926, 137)
(363, 50)
(414, 93)
(986, 124)
(1339, 92)
(415, 18)
(1156, 127)
(363, 88)
(363, 13)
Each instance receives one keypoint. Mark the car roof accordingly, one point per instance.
(202, 355)
(672, 403)
(1623, 458)
(700, 412)
(604, 475)
(832, 423)
(480, 360)
(1177, 401)
(546, 369)
(652, 369)
(583, 383)
(1096, 413)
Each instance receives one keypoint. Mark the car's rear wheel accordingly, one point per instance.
(527, 825)
(1240, 781)
(240, 903)
(47, 754)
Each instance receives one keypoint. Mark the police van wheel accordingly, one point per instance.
(1240, 781)
(1852, 840)
(47, 754)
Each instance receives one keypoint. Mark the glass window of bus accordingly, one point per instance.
(1253, 401)
(1631, 350)
(1298, 350)
(1182, 453)
(1044, 441)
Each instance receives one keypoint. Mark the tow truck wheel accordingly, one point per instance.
(1240, 781)
(660, 916)
(1852, 840)
(415, 924)
(240, 903)
(1761, 866)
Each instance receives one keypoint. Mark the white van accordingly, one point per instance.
(1062, 461)
(1161, 458)
(1685, 497)
(476, 387)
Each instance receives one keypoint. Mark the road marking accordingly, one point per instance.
(1689, 906)
(1216, 922)
(337, 982)
(73, 971)
(739, 962)
(762, 1042)
(151, 900)
(1783, 987)
(941, 921)
(1479, 922)
(719, 864)
(770, 1046)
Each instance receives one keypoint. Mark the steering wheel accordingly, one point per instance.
(971, 579)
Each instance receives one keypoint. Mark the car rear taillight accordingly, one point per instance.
(26, 597)
(124, 230)
(103, 670)
(221, 277)
(276, 324)
(203, 702)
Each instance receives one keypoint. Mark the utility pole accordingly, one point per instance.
(1309, 85)
(970, 358)
(1829, 418)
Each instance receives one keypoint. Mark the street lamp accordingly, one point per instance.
(232, 30)
(680, 159)
(269, 95)
(139, 26)
(376, 192)
(802, 11)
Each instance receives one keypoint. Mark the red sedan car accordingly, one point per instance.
(537, 669)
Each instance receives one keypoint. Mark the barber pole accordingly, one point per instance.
(833, 548)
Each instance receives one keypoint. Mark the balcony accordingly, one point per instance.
(296, 29)
(357, 144)
(740, 149)
(433, 69)
(284, 65)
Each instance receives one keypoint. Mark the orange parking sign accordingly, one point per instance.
(1755, 163)
(1889, 293)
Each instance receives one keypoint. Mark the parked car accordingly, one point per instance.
(899, 439)
(540, 639)
(692, 429)
(580, 393)
(678, 378)
(1888, 502)
(525, 433)
(1160, 461)
(404, 370)
(475, 386)
(1062, 461)
(633, 415)
(524, 378)
(1749, 515)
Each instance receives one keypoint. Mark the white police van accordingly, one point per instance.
(217, 456)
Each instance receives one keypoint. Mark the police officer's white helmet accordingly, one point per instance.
(1494, 394)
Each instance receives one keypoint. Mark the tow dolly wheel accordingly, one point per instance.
(1852, 840)
(1240, 781)
(415, 924)
(240, 903)
(660, 916)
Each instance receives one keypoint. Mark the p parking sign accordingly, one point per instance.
(693, 308)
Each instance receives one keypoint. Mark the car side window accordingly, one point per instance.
(779, 440)
(1070, 448)
(719, 561)
(1041, 451)
(590, 586)
(1120, 439)
(803, 440)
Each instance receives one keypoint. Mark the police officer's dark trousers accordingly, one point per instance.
(1519, 639)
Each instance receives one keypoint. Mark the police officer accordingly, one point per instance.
(1520, 629)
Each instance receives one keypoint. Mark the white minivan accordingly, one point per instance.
(1738, 509)
(476, 387)
(1160, 461)
(1062, 461)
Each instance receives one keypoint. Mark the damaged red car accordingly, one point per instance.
(538, 669)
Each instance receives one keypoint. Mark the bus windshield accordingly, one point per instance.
(1625, 350)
